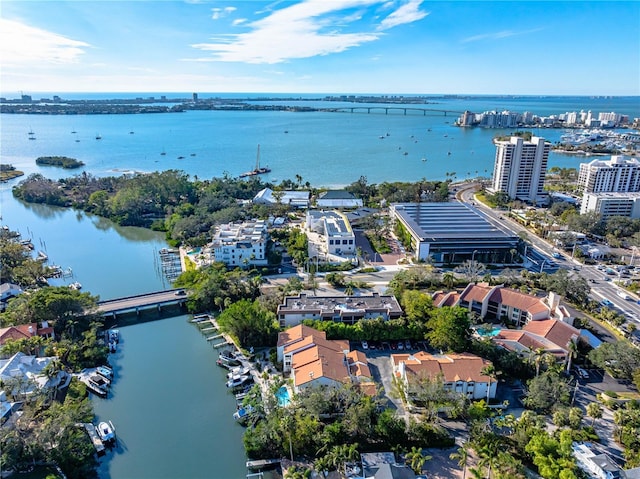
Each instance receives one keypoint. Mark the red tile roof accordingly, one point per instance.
(453, 367)
(516, 299)
(298, 332)
(555, 331)
(475, 292)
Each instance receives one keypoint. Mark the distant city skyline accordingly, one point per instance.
(321, 46)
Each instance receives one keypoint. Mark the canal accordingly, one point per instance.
(169, 403)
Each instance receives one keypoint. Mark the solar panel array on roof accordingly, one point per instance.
(448, 220)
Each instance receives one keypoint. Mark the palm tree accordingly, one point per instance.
(572, 349)
(416, 459)
(462, 456)
(288, 424)
(537, 356)
(490, 371)
(594, 411)
(449, 279)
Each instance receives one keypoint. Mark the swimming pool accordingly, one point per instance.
(488, 333)
(283, 396)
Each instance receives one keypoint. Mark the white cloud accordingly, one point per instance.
(238, 21)
(407, 13)
(306, 29)
(218, 13)
(498, 35)
(21, 44)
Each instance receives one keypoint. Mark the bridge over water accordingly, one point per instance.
(112, 307)
(404, 109)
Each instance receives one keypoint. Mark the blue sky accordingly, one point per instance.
(324, 46)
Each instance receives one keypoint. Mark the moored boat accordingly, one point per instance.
(105, 371)
(238, 381)
(96, 388)
(244, 413)
(106, 432)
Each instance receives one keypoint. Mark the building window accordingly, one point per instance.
(344, 241)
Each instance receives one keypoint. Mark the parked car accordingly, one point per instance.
(407, 345)
(582, 373)
(364, 345)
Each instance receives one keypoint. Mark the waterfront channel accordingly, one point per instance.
(169, 403)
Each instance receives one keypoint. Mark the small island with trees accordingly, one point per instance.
(9, 172)
(61, 161)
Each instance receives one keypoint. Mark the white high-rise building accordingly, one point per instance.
(520, 168)
(620, 174)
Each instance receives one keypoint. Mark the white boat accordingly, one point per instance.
(105, 371)
(96, 388)
(75, 285)
(237, 371)
(100, 380)
(106, 432)
(243, 413)
(238, 381)
(113, 335)
(113, 347)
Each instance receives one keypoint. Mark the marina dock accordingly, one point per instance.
(93, 435)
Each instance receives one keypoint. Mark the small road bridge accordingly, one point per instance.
(112, 307)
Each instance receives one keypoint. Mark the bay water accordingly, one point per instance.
(169, 403)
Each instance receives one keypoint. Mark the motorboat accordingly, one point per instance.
(238, 371)
(228, 359)
(100, 380)
(244, 413)
(113, 335)
(237, 381)
(96, 388)
(105, 371)
(106, 432)
(75, 285)
(113, 347)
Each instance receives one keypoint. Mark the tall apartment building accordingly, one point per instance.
(620, 174)
(520, 168)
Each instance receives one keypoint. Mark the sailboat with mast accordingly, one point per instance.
(258, 170)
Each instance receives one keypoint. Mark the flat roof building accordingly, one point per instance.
(241, 244)
(453, 232)
(520, 168)
(618, 174)
(347, 309)
(335, 230)
(612, 204)
(338, 199)
(293, 198)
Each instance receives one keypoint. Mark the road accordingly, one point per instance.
(601, 285)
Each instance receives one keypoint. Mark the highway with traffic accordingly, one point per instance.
(602, 284)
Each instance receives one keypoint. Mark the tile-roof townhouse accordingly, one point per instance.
(498, 302)
(314, 360)
(461, 373)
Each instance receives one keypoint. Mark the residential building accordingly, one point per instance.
(9, 290)
(294, 198)
(241, 244)
(520, 168)
(462, 373)
(335, 231)
(312, 360)
(346, 309)
(500, 303)
(599, 466)
(619, 174)
(453, 232)
(383, 465)
(549, 335)
(607, 205)
(25, 374)
(25, 331)
(338, 199)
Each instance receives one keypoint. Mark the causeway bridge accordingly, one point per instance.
(398, 109)
(129, 304)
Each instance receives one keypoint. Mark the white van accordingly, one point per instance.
(623, 295)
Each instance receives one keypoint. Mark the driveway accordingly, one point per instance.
(381, 370)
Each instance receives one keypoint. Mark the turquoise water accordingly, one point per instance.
(323, 148)
(488, 333)
(283, 396)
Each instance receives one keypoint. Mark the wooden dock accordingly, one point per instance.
(262, 463)
(93, 435)
(217, 336)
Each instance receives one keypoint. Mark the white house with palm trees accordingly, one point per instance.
(24, 375)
